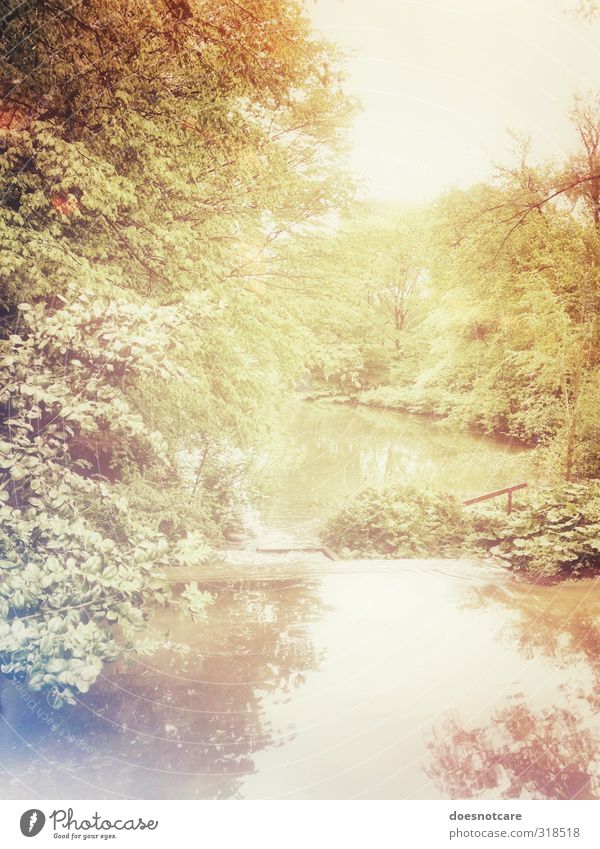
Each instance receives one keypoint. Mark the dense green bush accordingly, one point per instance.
(416, 398)
(78, 569)
(552, 532)
(400, 521)
(208, 491)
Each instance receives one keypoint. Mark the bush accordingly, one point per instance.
(400, 521)
(348, 367)
(208, 492)
(77, 568)
(555, 531)
(422, 400)
(552, 532)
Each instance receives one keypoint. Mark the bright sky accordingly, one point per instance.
(442, 82)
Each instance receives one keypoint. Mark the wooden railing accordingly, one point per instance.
(507, 490)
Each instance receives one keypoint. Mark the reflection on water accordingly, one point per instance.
(184, 727)
(444, 679)
(520, 754)
(524, 750)
(330, 451)
(377, 681)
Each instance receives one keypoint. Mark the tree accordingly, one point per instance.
(363, 277)
(583, 169)
(77, 566)
(152, 155)
(559, 205)
(165, 149)
(158, 145)
(539, 755)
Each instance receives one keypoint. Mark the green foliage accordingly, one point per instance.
(511, 334)
(208, 491)
(419, 398)
(489, 325)
(399, 522)
(73, 585)
(161, 149)
(553, 532)
(166, 162)
(171, 165)
(346, 366)
(362, 289)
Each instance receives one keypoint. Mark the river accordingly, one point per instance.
(314, 679)
(324, 453)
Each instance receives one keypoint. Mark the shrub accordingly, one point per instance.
(400, 521)
(77, 569)
(554, 531)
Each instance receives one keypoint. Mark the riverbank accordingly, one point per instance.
(379, 399)
(324, 453)
(333, 450)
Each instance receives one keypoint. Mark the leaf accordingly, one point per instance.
(36, 682)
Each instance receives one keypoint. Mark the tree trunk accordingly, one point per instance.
(572, 436)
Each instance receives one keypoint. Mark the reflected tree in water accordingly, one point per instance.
(183, 729)
(519, 754)
(562, 621)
